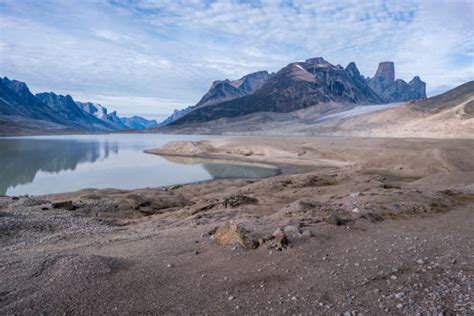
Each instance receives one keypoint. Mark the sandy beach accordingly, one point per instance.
(370, 225)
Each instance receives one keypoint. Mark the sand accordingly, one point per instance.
(403, 243)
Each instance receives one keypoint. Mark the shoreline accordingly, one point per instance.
(365, 219)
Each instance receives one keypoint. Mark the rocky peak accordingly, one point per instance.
(252, 82)
(391, 90)
(385, 72)
(352, 69)
(16, 86)
(317, 61)
(225, 90)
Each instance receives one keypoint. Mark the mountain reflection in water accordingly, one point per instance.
(42, 165)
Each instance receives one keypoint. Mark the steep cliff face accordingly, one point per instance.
(391, 90)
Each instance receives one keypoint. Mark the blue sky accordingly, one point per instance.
(149, 57)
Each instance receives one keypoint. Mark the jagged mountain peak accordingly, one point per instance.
(395, 90)
(225, 90)
(385, 72)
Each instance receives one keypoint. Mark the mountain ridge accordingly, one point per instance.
(47, 112)
(299, 85)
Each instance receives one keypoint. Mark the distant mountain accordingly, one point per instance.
(176, 115)
(93, 108)
(66, 108)
(225, 90)
(391, 90)
(138, 122)
(17, 100)
(299, 85)
(100, 112)
(21, 112)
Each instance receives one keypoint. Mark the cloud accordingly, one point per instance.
(172, 50)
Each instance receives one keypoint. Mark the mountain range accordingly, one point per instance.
(312, 83)
(21, 112)
(448, 115)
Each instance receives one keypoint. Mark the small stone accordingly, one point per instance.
(355, 210)
(232, 234)
(399, 305)
(230, 298)
(291, 230)
(393, 277)
(66, 205)
(294, 298)
(169, 265)
(420, 261)
(399, 295)
(334, 219)
(280, 239)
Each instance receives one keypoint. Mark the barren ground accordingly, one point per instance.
(375, 226)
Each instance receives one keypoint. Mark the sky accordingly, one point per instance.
(149, 57)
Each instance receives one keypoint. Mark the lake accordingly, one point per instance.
(54, 164)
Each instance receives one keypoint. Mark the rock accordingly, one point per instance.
(231, 234)
(335, 219)
(306, 233)
(355, 210)
(420, 261)
(238, 199)
(281, 241)
(354, 195)
(291, 230)
(65, 205)
(399, 295)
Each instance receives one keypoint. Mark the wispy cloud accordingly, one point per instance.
(128, 51)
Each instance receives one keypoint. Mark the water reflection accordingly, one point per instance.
(21, 159)
(219, 169)
(42, 165)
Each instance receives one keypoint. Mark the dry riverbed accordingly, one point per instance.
(352, 225)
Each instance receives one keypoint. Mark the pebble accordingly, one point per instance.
(399, 295)
(420, 261)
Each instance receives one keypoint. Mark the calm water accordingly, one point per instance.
(52, 164)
